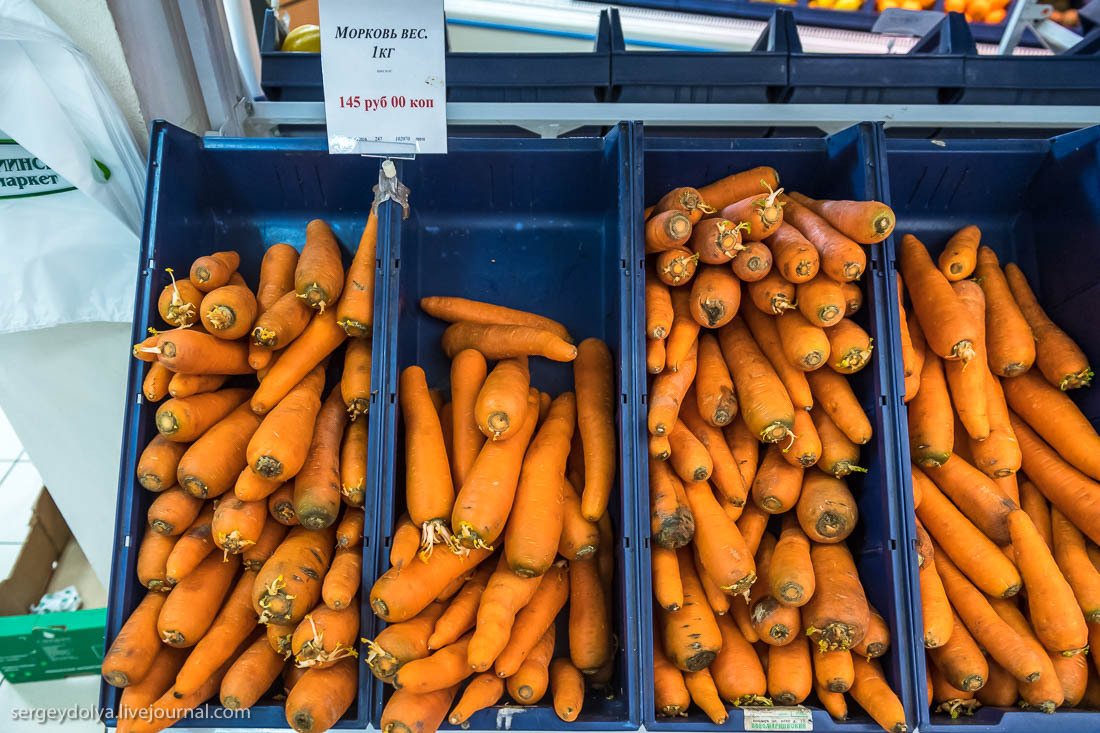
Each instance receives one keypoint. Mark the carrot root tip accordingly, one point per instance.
(964, 351)
(956, 707)
(1082, 378)
(753, 701)
(268, 467)
(221, 317)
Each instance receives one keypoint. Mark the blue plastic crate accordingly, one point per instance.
(209, 194)
(1004, 187)
(846, 165)
(471, 77)
(542, 225)
(731, 77)
(1071, 77)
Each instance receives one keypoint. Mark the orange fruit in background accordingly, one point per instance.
(978, 9)
(995, 16)
(954, 6)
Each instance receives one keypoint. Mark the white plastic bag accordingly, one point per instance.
(69, 251)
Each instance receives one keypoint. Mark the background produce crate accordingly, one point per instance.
(1007, 188)
(210, 194)
(846, 165)
(543, 225)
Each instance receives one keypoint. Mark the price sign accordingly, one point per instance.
(383, 64)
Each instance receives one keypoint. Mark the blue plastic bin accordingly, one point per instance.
(209, 194)
(1005, 187)
(546, 226)
(716, 77)
(471, 77)
(843, 166)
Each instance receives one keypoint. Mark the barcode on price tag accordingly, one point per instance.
(798, 718)
(384, 70)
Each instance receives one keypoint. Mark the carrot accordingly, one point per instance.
(676, 266)
(685, 200)
(834, 702)
(282, 322)
(920, 351)
(528, 685)
(501, 402)
(753, 263)
(658, 307)
(250, 675)
(738, 186)
(168, 709)
(278, 638)
(184, 419)
(483, 691)
(690, 458)
(871, 691)
(1075, 494)
(280, 445)
(319, 273)
(147, 350)
(766, 333)
(790, 573)
(773, 623)
(715, 241)
(238, 524)
(762, 213)
(1032, 502)
(975, 554)
(998, 455)
(289, 584)
(655, 355)
(751, 524)
(233, 625)
(835, 396)
(765, 406)
(156, 467)
(461, 614)
(736, 670)
(853, 298)
(567, 688)
(1001, 641)
(255, 555)
(725, 474)
(667, 587)
(136, 697)
(355, 382)
(960, 660)
(468, 375)
(536, 617)
(1000, 689)
(667, 393)
(191, 548)
(841, 258)
(157, 379)
(537, 513)
(317, 486)
(867, 222)
(1073, 561)
(325, 636)
(1045, 693)
(455, 310)
(322, 696)
(482, 506)
(849, 347)
(342, 580)
(349, 532)
(501, 341)
(1061, 361)
(173, 511)
(213, 271)
(839, 455)
(196, 599)
(353, 463)
(935, 608)
(795, 258)
(947, 327)
(772, 294)
(777, 484)
(402, 642)
(976, 494)
(715, 397)
(280, 505)
(721, 547)
(691, 638)
(211, 465)
(1058, 621)
(1055, 417)
(681, 343)
(960, 254)
(178, 303)
(912, 362)
(1073, 673)
(579, 537)
(185, 385)
(1009, 340)
(821, 300)
(931, 426)
(704, 694)
(276, 274)
(715, 296)
(833, 671)
(667, 230)
(826, 508)
(318, 340)
(718, 601)
(407, 711)
(594, 377)
(745, 449)
(837, 615)
(790, 672)
(590, 642)
(152, 557)
(505, 595)
(877, 640)
(229, 311)
(804, 344)
(671, 695)
(132, 651)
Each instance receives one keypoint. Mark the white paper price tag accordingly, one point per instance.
(383, 64)
(794, 718)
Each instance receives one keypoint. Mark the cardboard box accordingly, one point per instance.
(37, 647)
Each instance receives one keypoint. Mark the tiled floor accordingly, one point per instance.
(20, 483)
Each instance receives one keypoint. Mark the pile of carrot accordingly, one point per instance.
(506, 530)
(1009, 572)
(252, 553)
(749, 294)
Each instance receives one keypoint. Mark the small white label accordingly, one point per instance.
(797, 718)
(384, 70)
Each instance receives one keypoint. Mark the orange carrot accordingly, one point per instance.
(683, 335)
(238, 524)
(877, 641)
(185, 419)
(409, 711)
(931, 426)
(867, 222)
(666, 230)
(960, 660)
(766, 333)
(254, 556)
(849, 347)
(402, 593)
(579, 537)
(320, 338)
(468, 374)
(135, 698)
(356, 311)
(690, 458)
(501, 341)
(535, 618)
(178, 303)
(196, 599)
(835, 396)
(671, 695)
(213, 271)
(233, 625)
(805, 344)
(772, 294)
(229, 311)
(317, 486)
(593, 375)
(429, 490)
(212, 464)
(157, 379)
(718, 601)
(837, 615)
(873, 694)
(1073, 560)
(795, 258)
(132, 651)
(738, 186)
(703, 692)
(505, 595)
(714, 387)
(1061, 361)
(567, 688)
(790, 573)
(833, 670)
(250, 675)
(826, 508)
(765, 405)
(152, 557)
(190, 549)
(839, 455)
(976, 494)
(745, 449)
(460, 616)
(185, 385)
(1009, 340)
(658, 307)
(686, 200)
(947, 327)
(483, 691)
(821, 301)
(1056, 418)
(353, 463)
(280, 505)
(737, 672)
(920, 351)
(1000, 690)
(319, 273)
(691, 638)
(668, 391)
(725, 474)
(716, 241)
(774, 623)
(343, 578)
(322, 696)
(282, 322)
(289, 584)
(676, 266)
(590, 632)
(325, 636)
(1046, 692)
(721, 547)
(1072, 673)
(667, 587)
(960, 254)
(752, 263)
(841, 258)
(762, 213)
(156, 468)
(455, 310)
(355, 384)
(935, 608)
(1033, 502)
(173, 511)
(777, 484)
(715, 296)
(402, 642)
(790, 672)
